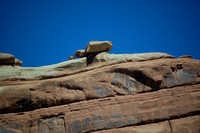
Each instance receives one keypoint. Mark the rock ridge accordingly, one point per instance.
(149, 92)
(74, 66)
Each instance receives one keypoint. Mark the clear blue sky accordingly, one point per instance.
(45, 32)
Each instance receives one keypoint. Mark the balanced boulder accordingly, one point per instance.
(98, 46)
(80, 53)
(6, 59)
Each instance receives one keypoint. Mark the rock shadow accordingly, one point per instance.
(90, 57)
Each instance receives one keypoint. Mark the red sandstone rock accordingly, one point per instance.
(158, 95)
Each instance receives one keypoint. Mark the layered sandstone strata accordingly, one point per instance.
(150, 92)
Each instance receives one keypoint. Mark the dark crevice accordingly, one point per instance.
(68, 86)
(51, 116)
(90, 58)
(170, 125)
(173, 69)
(64, 123)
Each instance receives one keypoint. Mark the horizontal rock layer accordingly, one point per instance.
(144, 92)
(182, 125)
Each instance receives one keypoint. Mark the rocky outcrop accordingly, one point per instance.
(71, 58)
(80, 53)
(17, 62)
(150, 92)
(94, 48)
(75, 66)
(98, 46)
(8, 59)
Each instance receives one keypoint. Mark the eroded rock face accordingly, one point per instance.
(150, 92)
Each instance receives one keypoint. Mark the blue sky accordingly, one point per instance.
(45, 32)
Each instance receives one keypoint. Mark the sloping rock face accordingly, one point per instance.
(140, 93)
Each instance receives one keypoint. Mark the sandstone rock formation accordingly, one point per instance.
(93, 48)
(80, 53)
(17, 62)
(98, 46)
(71, 58)
(8, 59)
(140, 93)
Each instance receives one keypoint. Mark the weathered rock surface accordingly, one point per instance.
(140, 93)
(17, 62)
(183, 125)
(98, 46)
(71, 58)
(186, 56)
(74, 66)
(6, 59)
(80, 53)
(9, 59)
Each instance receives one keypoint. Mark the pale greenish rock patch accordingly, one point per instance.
(73, 66)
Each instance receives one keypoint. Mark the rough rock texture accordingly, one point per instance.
(71, 58)
(98, 46)
(139, 93)
(80, 53)
(6, 59)
(183, 125)
(9, 59)
(17, 62)
(93, 61)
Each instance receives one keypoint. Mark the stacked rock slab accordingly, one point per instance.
(94, 47)
(98, 46)
(140, 93)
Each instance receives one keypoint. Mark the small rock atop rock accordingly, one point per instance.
(6, 59)
(186, 56)
(71, 58)
(80, 53)
(17, 62)
(98, 46)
